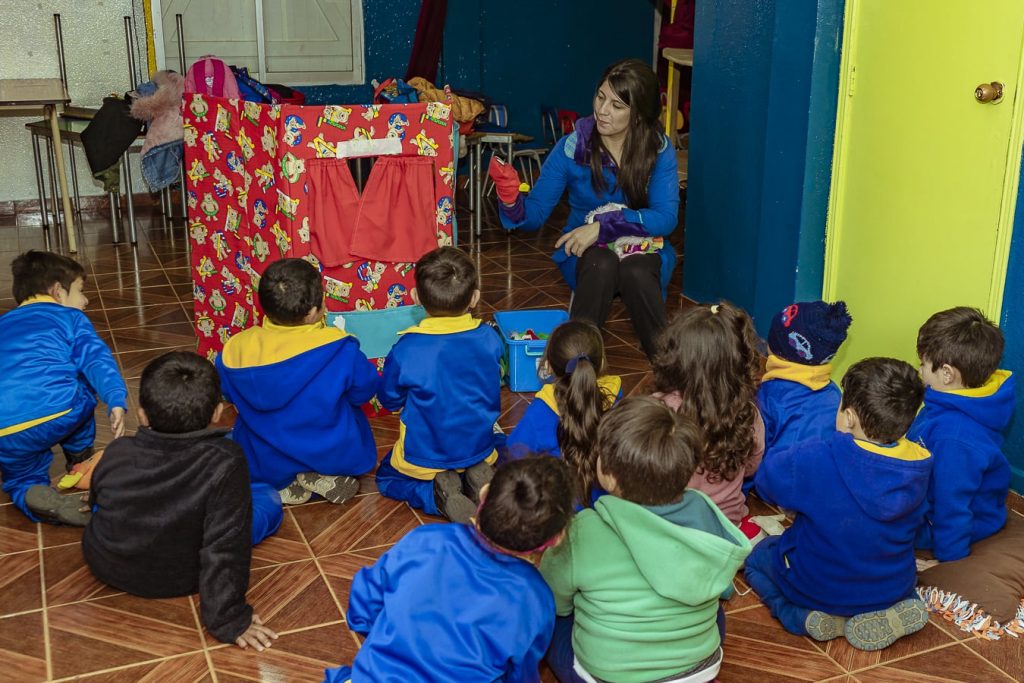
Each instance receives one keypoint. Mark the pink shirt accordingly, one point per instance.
(727, 495)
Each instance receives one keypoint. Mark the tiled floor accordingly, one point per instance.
(57, 622)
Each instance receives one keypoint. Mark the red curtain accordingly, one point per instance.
(426, 48)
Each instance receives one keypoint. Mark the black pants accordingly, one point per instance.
(600, 275)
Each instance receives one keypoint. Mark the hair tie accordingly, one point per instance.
(714, 309)
(570, 367)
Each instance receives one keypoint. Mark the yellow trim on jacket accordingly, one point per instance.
(273, 343)
(40, 299)
(610, 384)
(813, 377)
(444, 325)
(902, 450)
(399, 462)
(990, 387)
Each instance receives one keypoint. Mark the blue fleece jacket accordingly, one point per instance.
(859, 505)
(298, 391)
(568, 166)
(445, 376)
(967, 496)
(49, 354)
(797, 402)
(444, 606)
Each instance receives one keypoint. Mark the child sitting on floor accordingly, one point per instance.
(298, 386)
(451, 602)
(638, 580)
(174, 511)
(52, 364)
(563, 417)
(846, 566)
(707, 368)
(445, 376)
(797, 398)
(968, 403)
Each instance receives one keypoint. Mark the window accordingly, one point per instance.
(294, 42)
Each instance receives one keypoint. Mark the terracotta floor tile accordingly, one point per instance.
(134, 362)
(334, 529)
(287, 545)
(131, 298)
(191, 668)
(154, 337)
(22, 648)
(929, 638)
(954, 663)
(1007, 654)
(339, 570)
(17, 532)
(300, 657)
(68, 578)
(128, 281)
(20, 584)
(144, 316)
(758, 624)
(768, 656)
(391, 530)
(102, 634)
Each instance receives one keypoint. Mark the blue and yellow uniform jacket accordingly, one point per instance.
(298, 391)
(443, 605)
(967, 497)
(445, 376)
(797, 402)
(859, 506)
(537, 430)
(49, 355)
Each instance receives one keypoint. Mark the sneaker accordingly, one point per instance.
(50, 506)
(478, 476)
(822, 627)
(450, 500)
(876, 630)
(72, 458)
(295, 494)
(335, 489)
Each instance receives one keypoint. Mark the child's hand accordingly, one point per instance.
(85, 503)
(117, 422)
(257, 635)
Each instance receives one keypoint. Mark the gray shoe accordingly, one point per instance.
(823, 627)
(51, 507)
(877, 630)
(335, 489)
(450, 500)
(294, 494)
(478, 476)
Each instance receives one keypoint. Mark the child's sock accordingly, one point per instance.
(877, 630)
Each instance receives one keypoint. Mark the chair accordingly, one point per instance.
(527, 154)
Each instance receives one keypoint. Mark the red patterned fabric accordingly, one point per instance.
(248, 174)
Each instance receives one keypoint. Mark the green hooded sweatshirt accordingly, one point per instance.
(644, 589)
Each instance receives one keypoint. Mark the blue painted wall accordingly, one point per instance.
(1012, 324)
(763, 113)
(524, 55)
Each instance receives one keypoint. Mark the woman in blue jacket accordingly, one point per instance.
(623, 185)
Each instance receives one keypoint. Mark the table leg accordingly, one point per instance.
(672, 103)
(53, 201)
(62, 178)
(133, 236)
(472, 176)
(37, 158)
(478, 189)
(74, 179)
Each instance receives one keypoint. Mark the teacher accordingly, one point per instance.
(623, 190)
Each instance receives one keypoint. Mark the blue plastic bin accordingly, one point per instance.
(523, 358)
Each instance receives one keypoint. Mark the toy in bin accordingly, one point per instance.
(526, 336)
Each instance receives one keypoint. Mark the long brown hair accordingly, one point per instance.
(709, 354)
(636, 85)
(575, 354)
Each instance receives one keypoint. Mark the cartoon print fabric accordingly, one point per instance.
(251, 202)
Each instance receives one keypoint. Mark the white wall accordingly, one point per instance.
(97, 65)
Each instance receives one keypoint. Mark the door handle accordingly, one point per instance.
(989, 92)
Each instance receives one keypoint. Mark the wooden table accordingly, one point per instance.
(33, 93)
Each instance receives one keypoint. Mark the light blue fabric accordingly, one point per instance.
(377, 331)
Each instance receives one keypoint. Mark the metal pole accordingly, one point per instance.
(37, 158)
(115, 217)
(133, 236)
(60, 51)
(74, 178)
(179, 21)
(129, 38)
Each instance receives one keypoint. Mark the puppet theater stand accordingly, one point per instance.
(272, 181)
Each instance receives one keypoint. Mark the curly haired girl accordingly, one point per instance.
(707, 368)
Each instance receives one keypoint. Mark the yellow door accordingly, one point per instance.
(925, 175)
